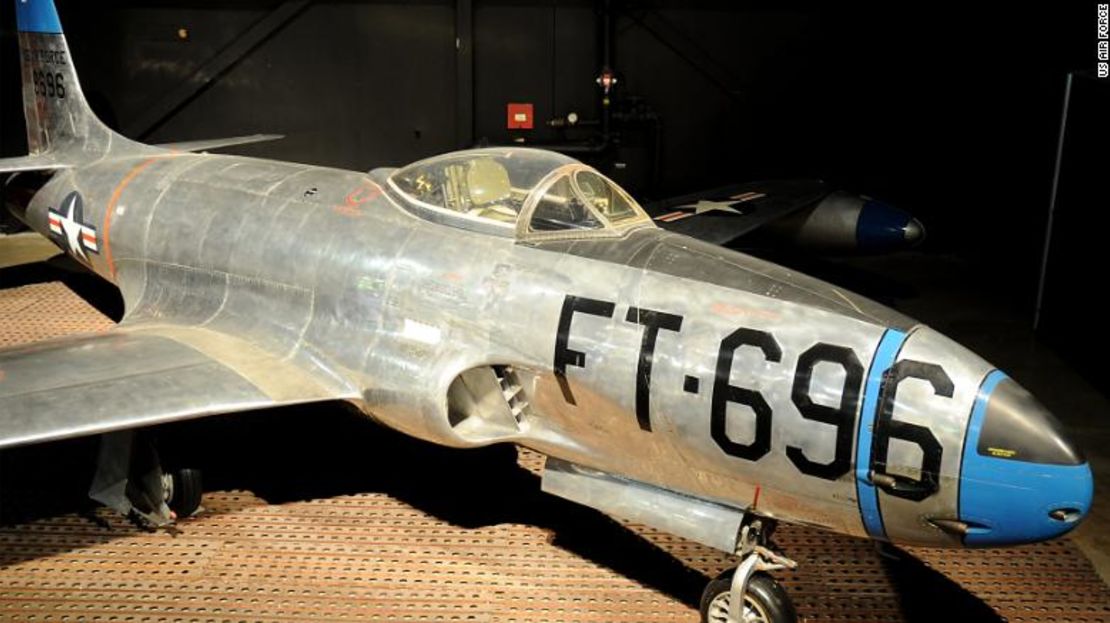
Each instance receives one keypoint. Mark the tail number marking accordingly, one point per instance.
(48, 84)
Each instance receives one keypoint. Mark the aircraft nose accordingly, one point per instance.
(1021, 479)
(914, 232)
(883, 227)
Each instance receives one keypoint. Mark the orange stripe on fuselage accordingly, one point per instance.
(107, 229)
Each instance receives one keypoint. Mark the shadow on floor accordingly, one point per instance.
(926, 595)
(326, 450)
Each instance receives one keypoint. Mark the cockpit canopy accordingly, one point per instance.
(529, 193)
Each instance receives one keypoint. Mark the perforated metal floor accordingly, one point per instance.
(388, 529)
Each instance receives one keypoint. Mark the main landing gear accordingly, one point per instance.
(182, 490)
(129, 479)
(746, 593)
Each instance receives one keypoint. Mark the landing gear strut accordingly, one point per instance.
(747, 594)
(129, 479)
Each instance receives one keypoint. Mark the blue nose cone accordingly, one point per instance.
(883, 227)
(1021, 480)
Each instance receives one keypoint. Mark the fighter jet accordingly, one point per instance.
(513, 295)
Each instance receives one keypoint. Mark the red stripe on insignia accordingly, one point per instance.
(668, 215)
(670, 218)
(750, 196)
(88, 237)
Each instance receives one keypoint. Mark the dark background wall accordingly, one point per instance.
(950, 112)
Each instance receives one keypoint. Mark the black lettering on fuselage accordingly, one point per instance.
(842, 417)
(652, 321)
(725, 392)
(887, 428)
(564, 355)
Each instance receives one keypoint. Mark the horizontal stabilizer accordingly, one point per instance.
(43, 162)
(217, 143)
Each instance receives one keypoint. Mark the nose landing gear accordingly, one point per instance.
(747, 594)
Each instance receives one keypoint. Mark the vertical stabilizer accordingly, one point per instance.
(60, 125)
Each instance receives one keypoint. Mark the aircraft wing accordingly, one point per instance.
(142, 375)
(218, 143)
(722, 215)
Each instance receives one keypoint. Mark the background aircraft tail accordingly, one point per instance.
(62, 131)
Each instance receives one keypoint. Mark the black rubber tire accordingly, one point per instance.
(762, 588)
(187, 489)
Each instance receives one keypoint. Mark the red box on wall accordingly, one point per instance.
(520, 116)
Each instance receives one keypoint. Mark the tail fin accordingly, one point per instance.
(62, 130)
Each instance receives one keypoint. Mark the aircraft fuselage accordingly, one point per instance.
(653, 356)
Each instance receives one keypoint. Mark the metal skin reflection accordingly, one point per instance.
(670, 381)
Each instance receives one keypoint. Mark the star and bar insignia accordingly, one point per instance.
(730, 206)
(66, 223)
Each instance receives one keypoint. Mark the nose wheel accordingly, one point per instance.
(747, 593)
(765, 601)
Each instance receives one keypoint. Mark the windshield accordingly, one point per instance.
(490, 184)
(609, 200)
(581, 199)
(561, 208)
(488, 190)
